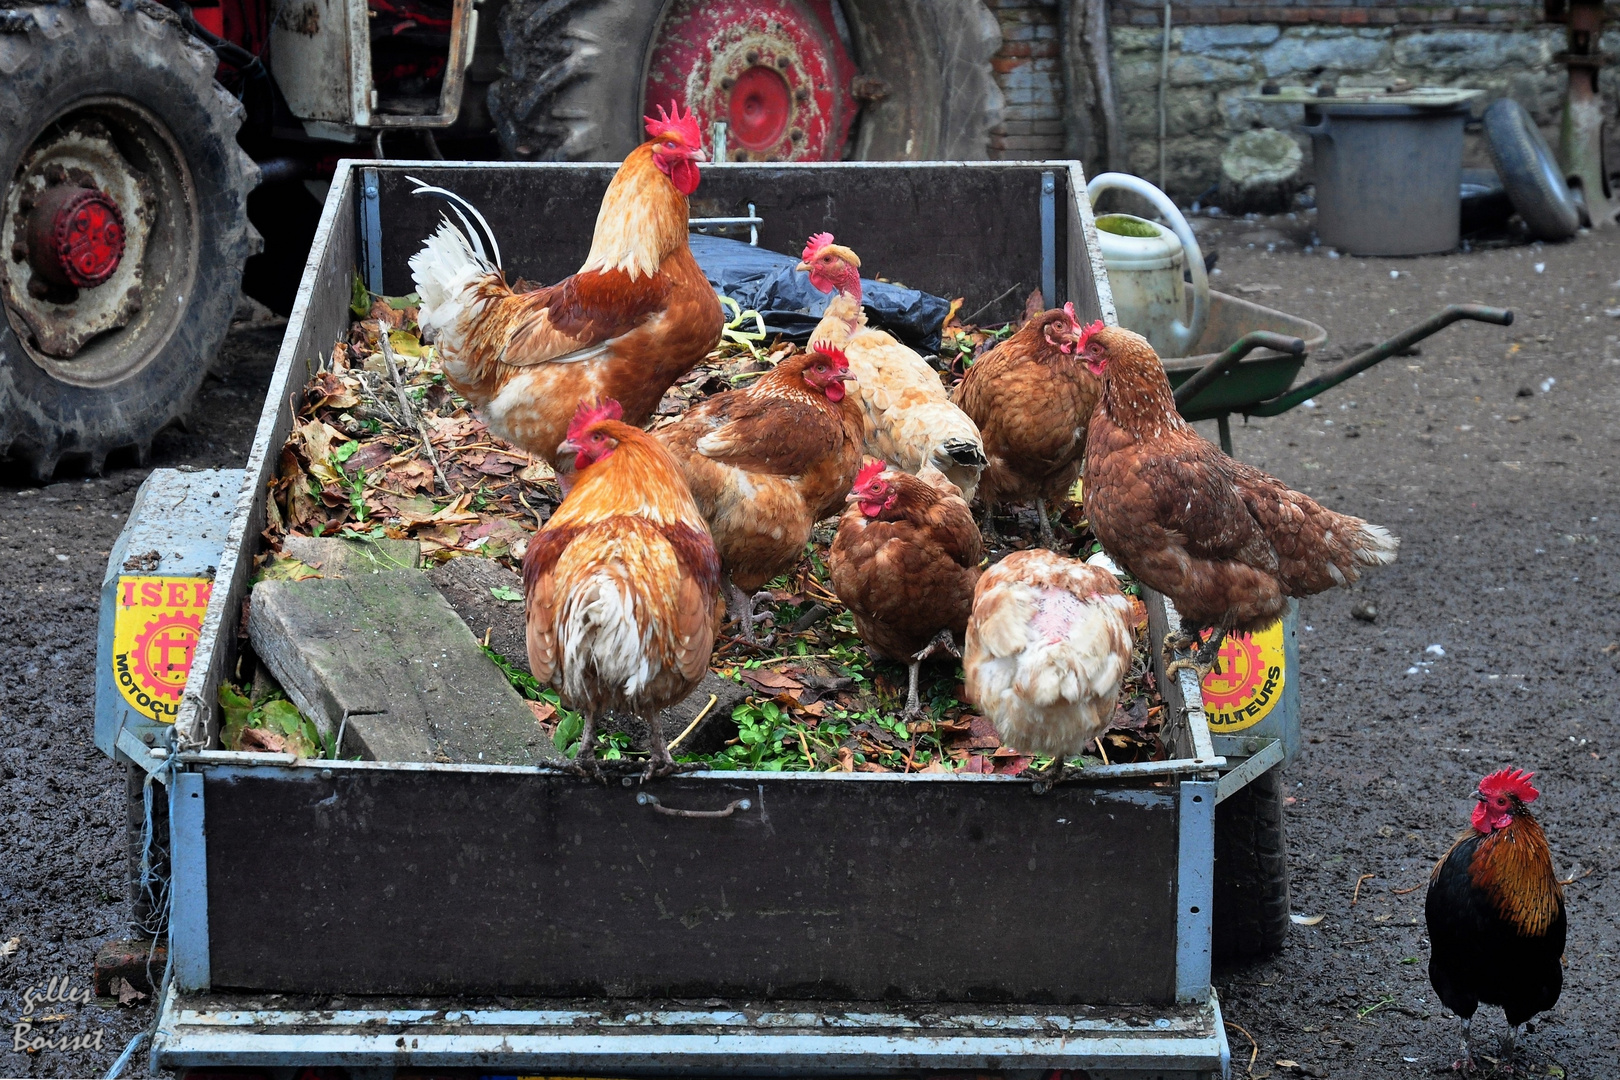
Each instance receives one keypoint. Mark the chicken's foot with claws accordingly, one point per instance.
(740, 607)
(942, 640)
(585, 763)
(1046, 779)
(659, 763)
(1043, 514)
(1206, 652)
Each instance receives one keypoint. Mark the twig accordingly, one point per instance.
(1403, 892)
(409, 409)
(969, 320)
(815, 614)
(1254, 1047)
(804, 744)
(785, 659)
(1100, 750)
(1357, 894)
(538, 521)
(1574, 879)
(701, 714)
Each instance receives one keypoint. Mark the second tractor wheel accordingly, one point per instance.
(805, 80)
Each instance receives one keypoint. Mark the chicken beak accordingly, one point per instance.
(567, 446)
(1479, 796)
(803, 266)
(853, 496)
(699, 154)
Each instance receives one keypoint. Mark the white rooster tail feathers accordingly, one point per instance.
(1376, 545)
(442, 270)
(476, 237)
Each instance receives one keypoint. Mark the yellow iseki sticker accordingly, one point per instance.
(1252, 673)
(155, 633)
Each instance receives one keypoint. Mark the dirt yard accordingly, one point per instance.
(1490, 454)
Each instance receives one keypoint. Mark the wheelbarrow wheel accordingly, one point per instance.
(1251, 871)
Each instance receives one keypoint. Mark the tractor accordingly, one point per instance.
(159, 160)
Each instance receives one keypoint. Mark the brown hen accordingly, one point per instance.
(1227, 543)
(905, 561)
(1032, 398)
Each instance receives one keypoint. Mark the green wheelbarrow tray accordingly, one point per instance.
(1262, 351)
(1261, 374)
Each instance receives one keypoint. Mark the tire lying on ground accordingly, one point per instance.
(1530, 174)
(1250, 912)
(123, 227)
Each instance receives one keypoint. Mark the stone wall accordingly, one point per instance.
(1214, 65)
(1029, 69)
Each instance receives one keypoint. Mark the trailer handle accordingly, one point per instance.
(644, 799)
(1243, 346)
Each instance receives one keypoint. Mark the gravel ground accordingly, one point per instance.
(62, 805)
(1491, 455)
(1497, 480)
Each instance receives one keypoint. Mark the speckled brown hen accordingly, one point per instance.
(1227, 543)
(904, 562)
(1032, 398)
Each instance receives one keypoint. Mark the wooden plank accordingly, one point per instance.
(856, 888)
(382, 657)
(319, 317)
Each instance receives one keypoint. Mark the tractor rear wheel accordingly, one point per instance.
(123, 227)
(801, 80)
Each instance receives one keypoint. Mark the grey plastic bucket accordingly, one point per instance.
(1387, 177)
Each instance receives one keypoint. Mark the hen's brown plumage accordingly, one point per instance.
(905, 561)
(767, 463)
(1032, 402)
(621, 585)
(1227, 543)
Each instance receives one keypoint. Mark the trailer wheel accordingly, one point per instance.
(1530, 173)
(123, 227)
(579, 73)
(1251, 870)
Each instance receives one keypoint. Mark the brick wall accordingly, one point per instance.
(1029, 69)
(1326, 12)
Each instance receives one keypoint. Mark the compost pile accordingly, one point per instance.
(382, 449)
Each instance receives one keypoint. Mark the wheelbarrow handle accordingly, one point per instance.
(1243, 346)
(1397, 344)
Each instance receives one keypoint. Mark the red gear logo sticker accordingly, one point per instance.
(155, 636)
(1249, 682)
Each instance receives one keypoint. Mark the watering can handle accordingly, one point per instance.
(1322, 127)
(1186, 334)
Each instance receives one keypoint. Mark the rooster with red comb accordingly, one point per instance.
(1495, 911)
(637, 315)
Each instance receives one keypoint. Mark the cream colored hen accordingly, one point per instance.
(1048, 648)
(910, 421)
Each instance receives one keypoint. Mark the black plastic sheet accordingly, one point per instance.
(766, 282)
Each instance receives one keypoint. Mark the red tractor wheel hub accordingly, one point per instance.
(75, 236)
(775, 70)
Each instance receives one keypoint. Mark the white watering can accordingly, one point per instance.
(1145, 263)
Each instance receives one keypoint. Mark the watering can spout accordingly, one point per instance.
(1145, 269)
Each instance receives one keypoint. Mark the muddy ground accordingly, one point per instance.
(1490, 454)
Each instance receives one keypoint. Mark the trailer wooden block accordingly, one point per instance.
(382, 657)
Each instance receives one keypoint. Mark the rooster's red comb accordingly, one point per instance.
(1510, 782)
(1074, 320)
(813, 246)
(1087, 332)
(590, 412)
(831, 352)
(673, 124)
(868, 474)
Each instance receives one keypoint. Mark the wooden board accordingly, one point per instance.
(373, 881)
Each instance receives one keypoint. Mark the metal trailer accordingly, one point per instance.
(389, 917)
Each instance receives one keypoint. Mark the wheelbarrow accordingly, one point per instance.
(1254, 375)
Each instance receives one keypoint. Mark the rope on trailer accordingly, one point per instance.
(158, 893)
